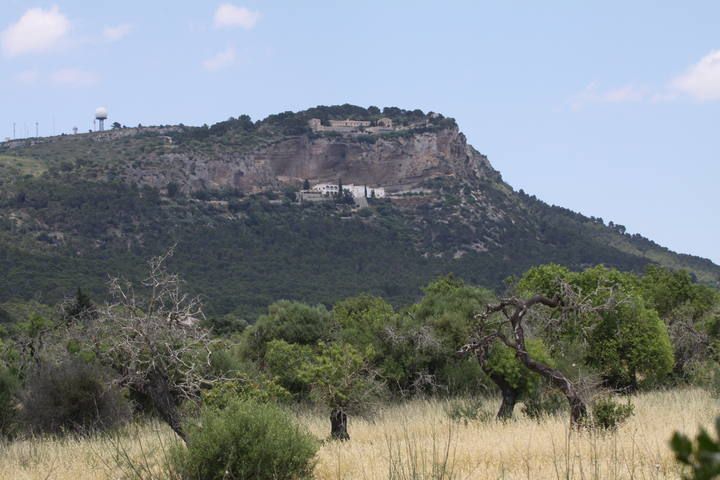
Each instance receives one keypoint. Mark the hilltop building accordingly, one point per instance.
(349, 123)
(338, 125)
(363, 191)
(357, 191)
(349, 126)
(326, 189)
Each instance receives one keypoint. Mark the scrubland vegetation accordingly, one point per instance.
(566, 374)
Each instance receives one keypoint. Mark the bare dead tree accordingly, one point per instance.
(152, 339)
(154, 342)
(505, 322)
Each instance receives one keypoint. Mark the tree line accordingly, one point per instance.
(552, 339)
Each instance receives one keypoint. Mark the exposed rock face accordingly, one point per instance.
(396, 163)
(393, 163)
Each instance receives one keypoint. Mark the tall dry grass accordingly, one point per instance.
(413, 440)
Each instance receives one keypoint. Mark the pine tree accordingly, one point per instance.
(80, 307)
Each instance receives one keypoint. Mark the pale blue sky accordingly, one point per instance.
(608, 108)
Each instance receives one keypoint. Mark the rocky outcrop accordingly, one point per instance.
(397, 163)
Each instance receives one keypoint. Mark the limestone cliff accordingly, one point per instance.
(397, 163)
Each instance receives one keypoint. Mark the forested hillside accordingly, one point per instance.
(75, 209)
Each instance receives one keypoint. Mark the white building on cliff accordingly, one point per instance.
(357, 191)
(352, 126)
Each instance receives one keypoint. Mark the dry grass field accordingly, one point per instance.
(414, 440)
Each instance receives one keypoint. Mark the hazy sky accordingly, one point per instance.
(609, 108)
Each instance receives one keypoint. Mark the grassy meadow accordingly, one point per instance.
(411, 440)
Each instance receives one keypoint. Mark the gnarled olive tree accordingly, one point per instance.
(506, 322)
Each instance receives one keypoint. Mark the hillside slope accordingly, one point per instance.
(74, 209)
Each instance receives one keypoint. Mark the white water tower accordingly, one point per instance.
(101, 114)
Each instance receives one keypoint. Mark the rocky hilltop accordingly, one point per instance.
(75, 208)
(272, 153)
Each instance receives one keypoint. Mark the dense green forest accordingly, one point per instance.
(265, 251)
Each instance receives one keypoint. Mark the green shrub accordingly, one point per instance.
(8, 403)
(246, 440)
(544, 402)
(701, 456)
(72, 397)
(705, 375)
(609, 414)
(224, 363)
(468, 410)
(292, 322)
(259, 389)
(285, 362)
(464, 377)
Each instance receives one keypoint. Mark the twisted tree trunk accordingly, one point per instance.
(509, 395)
(578, 409)
(514, 310)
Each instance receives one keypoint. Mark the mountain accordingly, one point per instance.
(76, 208)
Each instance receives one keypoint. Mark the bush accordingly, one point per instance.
(259, 389)
(464, 377)
(543, 403)
(246, 440)
(700, 456)
(609, 415)
(468, 410)
(8, 404)
(293, 322)
(72, 397)
(705, 375)
(365, 212)
(224, 362)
